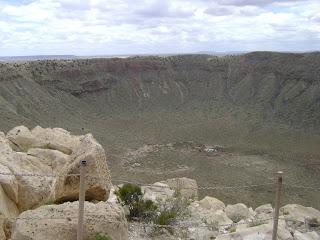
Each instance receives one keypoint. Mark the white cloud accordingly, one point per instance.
(120, 26)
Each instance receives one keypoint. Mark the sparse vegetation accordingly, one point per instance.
(212, 225)
(166, 217)
(129, 193)
(131, 196)
(232, 229)
(100, 236)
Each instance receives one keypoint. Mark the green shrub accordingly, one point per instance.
(232, 229)
(100, 237)
(131, 196)
(129, 193)
(166, 217)
(142, 210)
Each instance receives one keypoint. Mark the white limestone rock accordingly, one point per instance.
(211, 203)
(59, 222)
(237, 212)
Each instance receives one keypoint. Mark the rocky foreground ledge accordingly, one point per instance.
(209, 218)
(39, 187)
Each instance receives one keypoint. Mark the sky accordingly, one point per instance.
(114, 27)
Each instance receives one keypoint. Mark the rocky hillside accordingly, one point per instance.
(271, 86)
(151, 112)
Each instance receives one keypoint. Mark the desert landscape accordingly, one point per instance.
(41, 197)
(159, 120)
(223, 121)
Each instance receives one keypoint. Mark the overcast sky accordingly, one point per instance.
(98, 27)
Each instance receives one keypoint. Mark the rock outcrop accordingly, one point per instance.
(262, 232)
(59, 222)
(184, 187)
(209, 219)
(98, 182)
(306, 236)
(237, 212)
(41, 166)
(158, 192)
(22, 139)
(51, 152)
(212, 204)
(302, 214)
(202, 214)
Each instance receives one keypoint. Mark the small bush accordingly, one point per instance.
(131, 196)
(142, 210)
(129, 193)
(232, 229)
(166, 217)
(100, 237)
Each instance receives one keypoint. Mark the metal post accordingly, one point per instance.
(277, 207)
(82, 192)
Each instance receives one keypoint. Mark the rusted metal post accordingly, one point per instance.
(82, 192)
(277, 206)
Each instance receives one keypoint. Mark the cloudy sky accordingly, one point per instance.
(98, 27)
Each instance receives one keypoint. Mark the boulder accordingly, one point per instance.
(298, 213)
(20, 155)
(98, 180)
(306, 236)
(56, 139)
(212, 204)
(22, 139)
(217, 218)
(202, 223)
(7, 207)
(157, 192)
(52, 158)
(261, 232)
(200, 233)
(46, 151)
(32, 189)
(264, 212)
(267, 209)
(25, 191)
(59, 222)
(237, 212)
(212, 216)
(9, 183)
(184, 187)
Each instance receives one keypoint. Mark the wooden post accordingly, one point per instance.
(277, 207)
(82, 192)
